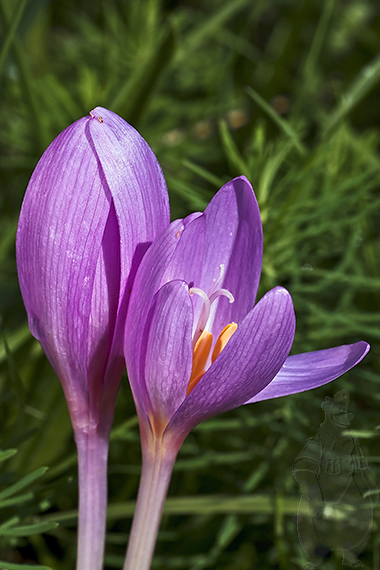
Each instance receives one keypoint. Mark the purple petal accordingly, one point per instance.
(137, 185)
(251, 359)
(140, 197)
(228, 234)
(312, 369)
(103, 316)
(59, 240)
(147, 282)
(234, 239)
(168, 349)
(134, 177)
(191, 217)
(96, 200)
(187, 260)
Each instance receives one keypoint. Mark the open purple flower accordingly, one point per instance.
(95, 202)
(197, 344)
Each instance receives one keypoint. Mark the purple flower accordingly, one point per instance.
(200, 277)
(95, 202)
(197, 344)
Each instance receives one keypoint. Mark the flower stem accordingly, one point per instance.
(157, 468)
(92, 474)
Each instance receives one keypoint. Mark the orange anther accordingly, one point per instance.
(193, 382)
(202, 351)
(201, 354)
(223, 338)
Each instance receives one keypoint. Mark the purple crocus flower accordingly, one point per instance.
(95, 202)
(197, 344)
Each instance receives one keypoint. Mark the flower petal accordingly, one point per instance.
(103, 316)
(147, 282)
(186, 262)
(137, 186)
(228, 234)
(234, 239)
(59, 240)
(168, 350)
(141, 202)
(312, 369)
(95, 202)
(251, 359)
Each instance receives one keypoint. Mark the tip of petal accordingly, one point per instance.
(281, 295)
(101, 114)
(366, 346)
(362, 349)
(95, 114)
(240, 182)
(281, 291)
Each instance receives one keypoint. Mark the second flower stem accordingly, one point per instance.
(156, 473)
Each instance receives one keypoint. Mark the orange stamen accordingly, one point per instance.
(202, 351)
(223, 338)
(200, 355)
(193, 382)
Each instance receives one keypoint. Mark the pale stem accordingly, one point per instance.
(155, 478)
(92, 476)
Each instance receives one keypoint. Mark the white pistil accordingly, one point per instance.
(205, 316)
(218, 280)
(214, 297)
(205, 298)
(224, 293)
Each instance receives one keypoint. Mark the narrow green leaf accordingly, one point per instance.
(209, 27)
(12, 368)
(361, 433)
(23, 483)
(10, 522)
(318, 40)
(362, 85)
(197, 505)
(16, 500)
(232, 151)
(15, 340)
(27, 81)
(203, 173)
(7, 454)
(269, 172)
(279, 121)
(119, 431)
(12, 29)
(133, 96)
(214, 458)
(188, 193)
(10, 566)
(27, 530)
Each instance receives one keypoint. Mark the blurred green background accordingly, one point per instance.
(283, 91)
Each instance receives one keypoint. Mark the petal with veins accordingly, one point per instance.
(312, 369)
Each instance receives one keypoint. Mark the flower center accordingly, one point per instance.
(202, 338)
